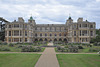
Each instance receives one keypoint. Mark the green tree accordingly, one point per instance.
(97, 39)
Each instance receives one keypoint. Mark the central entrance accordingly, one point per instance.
(50, 44)
(50, 40)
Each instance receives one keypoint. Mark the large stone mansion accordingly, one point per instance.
(28, 32)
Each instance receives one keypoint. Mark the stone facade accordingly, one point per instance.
(28, 32)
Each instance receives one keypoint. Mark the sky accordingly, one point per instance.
(51, 11)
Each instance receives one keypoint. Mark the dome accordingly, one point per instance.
(69, 17)
(31, 18)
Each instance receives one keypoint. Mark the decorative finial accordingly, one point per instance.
(31, 14)
(86, 19)
(31, 18)
(69, 16)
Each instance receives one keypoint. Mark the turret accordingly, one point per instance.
(31, 20)
(69, 21)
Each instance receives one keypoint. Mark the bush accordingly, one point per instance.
(26, 49)
(4, 43)
(11, 45)
(66, 46)
(58, 47)
(62, 49)
(37, 49)
(94, 50)
(0, 42)
(30, 49)
(20, 46)
(80, 47)
(4, 49)
(73, 49)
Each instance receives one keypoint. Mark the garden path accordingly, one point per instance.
(48, 58)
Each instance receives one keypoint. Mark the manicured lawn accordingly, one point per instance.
(18, 60)
(78, 60)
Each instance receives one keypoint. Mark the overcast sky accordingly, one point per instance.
(51, 11)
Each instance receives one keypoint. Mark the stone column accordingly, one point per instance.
(19, 32)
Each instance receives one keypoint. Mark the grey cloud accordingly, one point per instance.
(51, 11)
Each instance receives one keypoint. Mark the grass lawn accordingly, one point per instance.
(18, 60)
(78, 60)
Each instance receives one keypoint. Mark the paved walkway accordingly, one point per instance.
(48, 58)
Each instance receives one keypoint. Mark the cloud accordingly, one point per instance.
(97, 0)
(51, 11)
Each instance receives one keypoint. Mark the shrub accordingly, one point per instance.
(37, 49)
(11, 45)
(26, 49)
(80, 47)
(58, 47)
(94, 49)
(73, 49)
(20, 46)
(30, 49)
(0, 42)
(66, 46)
(4, 49)
(62, 49)
(4, 43)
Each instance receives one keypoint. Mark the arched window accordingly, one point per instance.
(50, 34)
(36, 39)
(41, 39)
(40, 34)
(60, 34)
(45, 39)
(45, 34)
(60, 39)
(65, 40)
(35, 34)
(55, 34)
(55, 39)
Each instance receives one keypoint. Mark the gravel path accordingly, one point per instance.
(48, 58)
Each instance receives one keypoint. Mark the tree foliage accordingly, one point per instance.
(97, 39)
